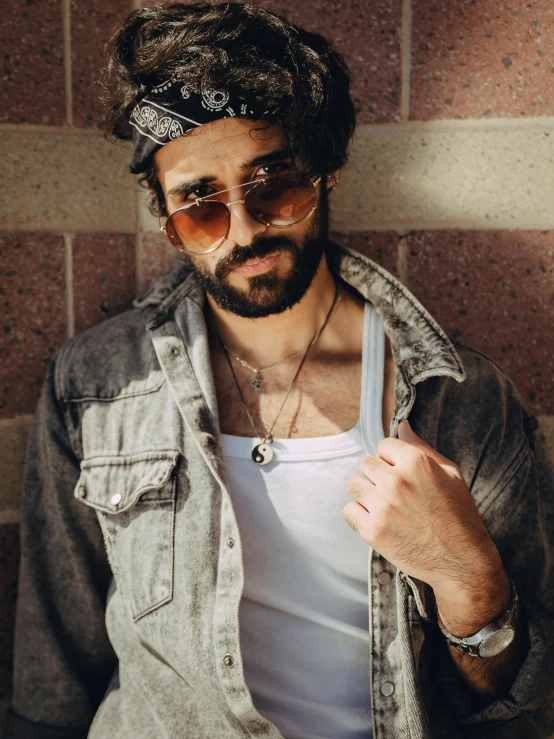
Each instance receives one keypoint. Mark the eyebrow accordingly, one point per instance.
(269, 157)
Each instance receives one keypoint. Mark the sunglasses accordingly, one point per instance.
(202, 226)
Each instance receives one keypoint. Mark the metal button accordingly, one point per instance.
(230, 542)
(387, 689)
(174, 351)
(115, 499)
(384, 578)
(228, 660)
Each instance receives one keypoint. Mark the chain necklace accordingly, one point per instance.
(263, 453)
(257, 382)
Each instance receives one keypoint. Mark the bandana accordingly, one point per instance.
(172, 109)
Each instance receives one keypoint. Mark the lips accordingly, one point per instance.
(258, 265)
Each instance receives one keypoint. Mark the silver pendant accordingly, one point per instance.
(257, 382)
(262, 454)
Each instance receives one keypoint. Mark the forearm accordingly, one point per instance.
(491, 677)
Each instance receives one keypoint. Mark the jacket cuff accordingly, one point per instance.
(17, 727)
(527, 693)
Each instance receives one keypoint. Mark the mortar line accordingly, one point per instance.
(23, 420)
(406, 59)
(69, 297)
(451, 225)
(439, 126)
(123, 227)
(139, 247)
(10, 516)
(31, 128)
(67, 67)
(402, 259)
(401, 227)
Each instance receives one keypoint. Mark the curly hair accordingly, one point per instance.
(247, 50)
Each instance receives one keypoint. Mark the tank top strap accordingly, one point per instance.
(373, 366)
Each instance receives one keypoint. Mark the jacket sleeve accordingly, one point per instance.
(63, 659)
(519, 513)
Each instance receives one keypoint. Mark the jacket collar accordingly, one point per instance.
(419, 345)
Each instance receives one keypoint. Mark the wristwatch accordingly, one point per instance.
(493, 638)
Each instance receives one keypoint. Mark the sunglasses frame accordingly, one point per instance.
(254, 184)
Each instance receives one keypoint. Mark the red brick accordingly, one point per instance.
(103, 277)
(158, 257)
(494, 291)
(367, 34)
(92, 24)
(9, 564)
(34, 325)
(380, 246)
(32, 79)
(482, 58)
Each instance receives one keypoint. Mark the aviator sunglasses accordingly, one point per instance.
(201, 226)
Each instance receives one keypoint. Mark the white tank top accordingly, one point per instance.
(304, 620)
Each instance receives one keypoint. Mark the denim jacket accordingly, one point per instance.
(131, 572)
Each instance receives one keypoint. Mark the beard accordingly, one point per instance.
(268, 294)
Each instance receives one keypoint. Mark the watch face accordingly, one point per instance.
(497, 642)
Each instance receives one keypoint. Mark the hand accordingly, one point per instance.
(414, 508)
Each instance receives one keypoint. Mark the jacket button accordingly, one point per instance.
(174, 351)
(387, 689)
(228, 660)
(230, 542)
(115, 500)
(384, 578)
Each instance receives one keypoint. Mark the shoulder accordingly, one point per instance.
(112, 359)
(483, 424)
(489, 383)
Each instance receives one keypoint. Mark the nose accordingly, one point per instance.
(243, 228)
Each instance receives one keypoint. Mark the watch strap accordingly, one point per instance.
(472, 644)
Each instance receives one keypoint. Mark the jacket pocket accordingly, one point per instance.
(134, 497)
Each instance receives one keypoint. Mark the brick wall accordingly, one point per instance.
(450, 188)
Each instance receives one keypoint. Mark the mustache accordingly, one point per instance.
(259, 249)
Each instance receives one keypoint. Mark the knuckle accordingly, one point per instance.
(367, 463)
(351, 521)
(419, 457)
(355, 486)
(401, 482)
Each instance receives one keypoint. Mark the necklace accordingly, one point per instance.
(257, 382)
(263, 453)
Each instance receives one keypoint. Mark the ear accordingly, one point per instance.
(333, 179)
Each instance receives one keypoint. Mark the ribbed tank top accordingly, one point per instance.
(304, 621)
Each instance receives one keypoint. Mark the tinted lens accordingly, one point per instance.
(198, 227)
(282, 201)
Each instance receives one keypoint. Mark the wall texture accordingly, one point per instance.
(450, 187)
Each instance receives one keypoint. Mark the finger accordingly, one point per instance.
(356, 516)
(374, 468)
(360, 489)
(409, 436)
(393, 451)
(396, 452)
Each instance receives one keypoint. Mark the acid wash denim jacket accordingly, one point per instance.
(131, 573)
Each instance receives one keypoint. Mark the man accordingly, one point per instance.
(187, 566)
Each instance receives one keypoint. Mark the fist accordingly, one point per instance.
(412, 506)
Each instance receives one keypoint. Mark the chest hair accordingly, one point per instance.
(325, 399)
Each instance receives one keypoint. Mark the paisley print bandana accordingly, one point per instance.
(172, 109)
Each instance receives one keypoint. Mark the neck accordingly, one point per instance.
(265, 340)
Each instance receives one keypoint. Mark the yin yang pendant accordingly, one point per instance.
(263, 454)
